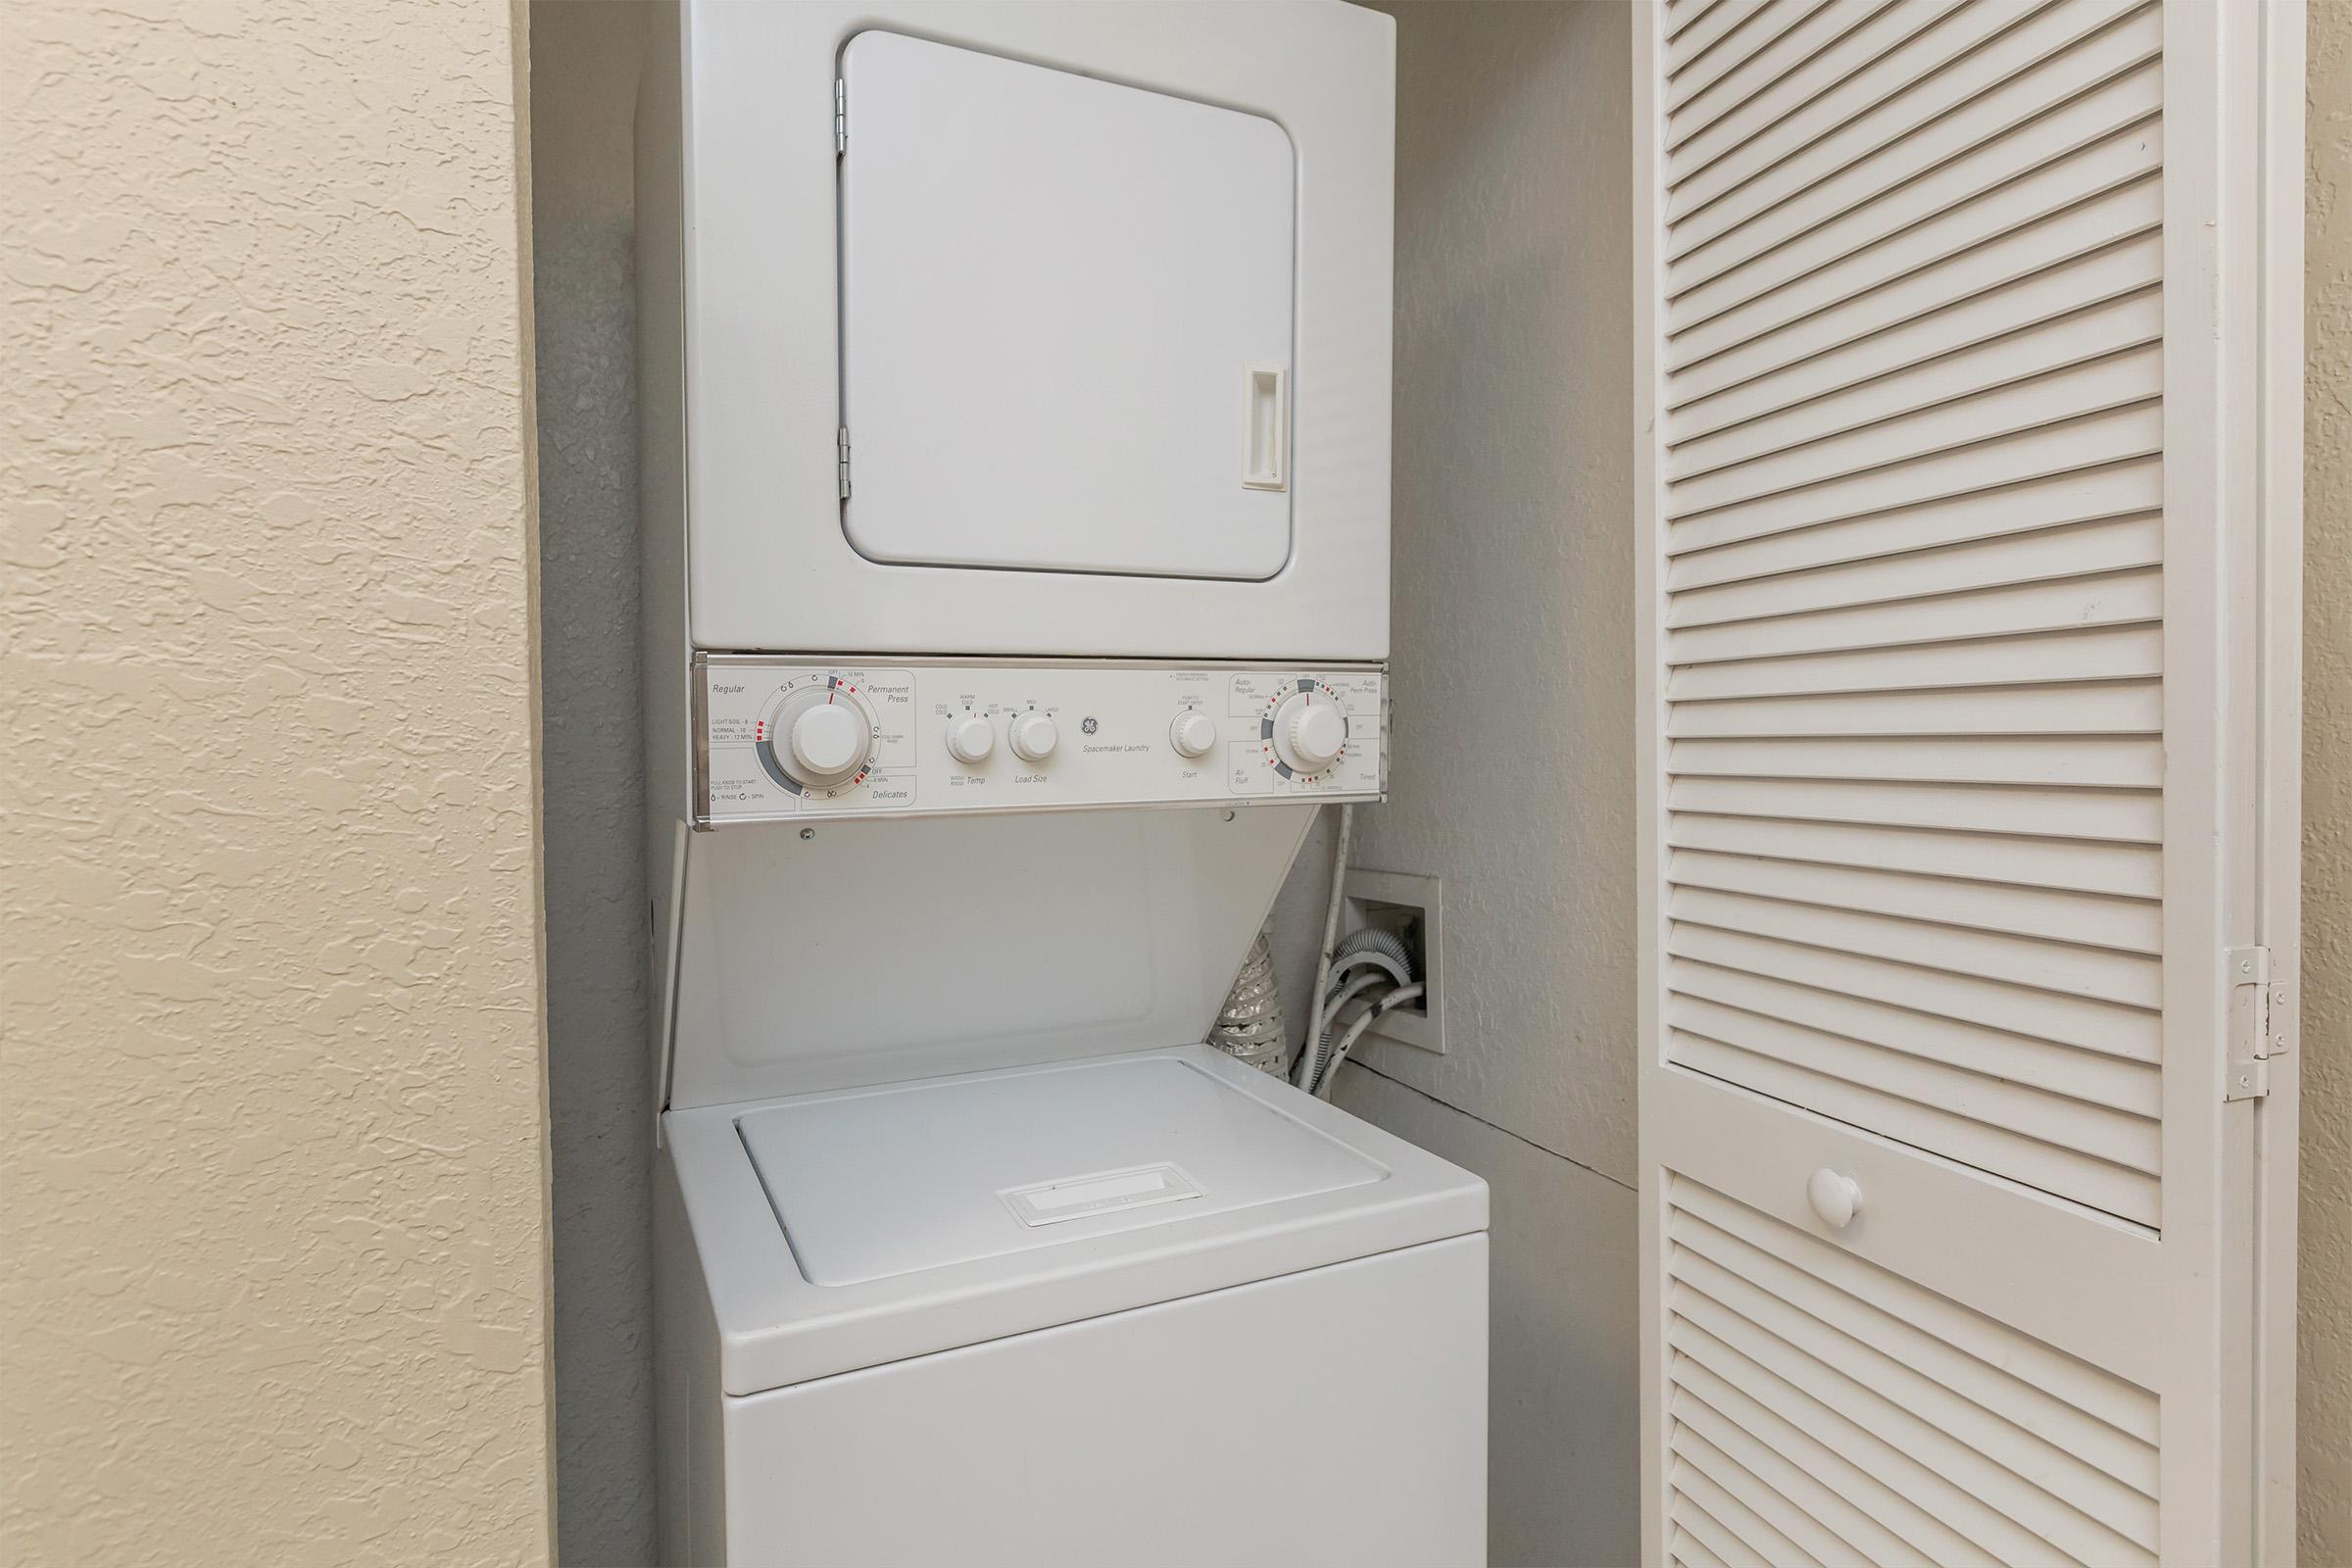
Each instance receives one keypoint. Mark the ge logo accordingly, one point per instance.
(1089, 725)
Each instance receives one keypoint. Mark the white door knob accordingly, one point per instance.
(971, 738)
(1192, 734)
(1317, 733)
(828, 739)
(1834, 1197)
(1034, 737)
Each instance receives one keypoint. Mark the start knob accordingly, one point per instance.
(1193, 733)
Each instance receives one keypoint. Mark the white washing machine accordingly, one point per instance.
(1014, 381)
(970, 1253)
(1150, 1308)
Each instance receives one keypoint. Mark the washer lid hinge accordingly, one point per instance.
(841, 117)
(2260, 1027)
(841, 460)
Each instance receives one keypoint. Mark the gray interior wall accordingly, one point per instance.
(1562, 1464)
(583, 93)
(1512, 737)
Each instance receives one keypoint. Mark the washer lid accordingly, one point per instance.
(874, 1183)
(848, 1228)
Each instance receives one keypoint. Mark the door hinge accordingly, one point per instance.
(2261, 1013)
(841, 117)
(841, 460)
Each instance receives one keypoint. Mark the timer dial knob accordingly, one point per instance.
(1192, 734)
(1034, 737)
(1314, 737)
(829, 740)
(1306, 732)
(816, 737)
(970, 738)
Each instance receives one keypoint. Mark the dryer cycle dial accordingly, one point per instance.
(817, 736)
(1304, 733)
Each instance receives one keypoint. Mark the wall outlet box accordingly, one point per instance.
(1412, 910)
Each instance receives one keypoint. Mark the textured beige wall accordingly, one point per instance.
(2325, 1349)
(272, 1171)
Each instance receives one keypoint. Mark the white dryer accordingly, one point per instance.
(1018, 326)
(1014, 396)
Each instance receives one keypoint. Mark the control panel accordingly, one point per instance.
(795, 738)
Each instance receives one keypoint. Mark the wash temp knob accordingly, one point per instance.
(1034, 737)
(971, 738)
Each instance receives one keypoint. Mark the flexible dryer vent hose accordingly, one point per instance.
(1370, 945)
(1250, 1026)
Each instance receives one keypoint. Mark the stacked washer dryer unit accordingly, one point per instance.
(1015, 398)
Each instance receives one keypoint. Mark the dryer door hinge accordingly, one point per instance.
(2261, 1012)
(841, 117)
(841, 460)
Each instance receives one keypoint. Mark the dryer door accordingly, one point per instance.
(1065, 318)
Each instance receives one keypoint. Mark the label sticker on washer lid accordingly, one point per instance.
(1103, 1192)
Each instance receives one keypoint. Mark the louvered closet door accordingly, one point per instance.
(1950, 313)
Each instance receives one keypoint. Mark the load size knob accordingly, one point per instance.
(1034, 737)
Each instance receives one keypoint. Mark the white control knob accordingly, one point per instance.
(1034, 737)
(817, 736)
(1192, 734)
(971, 738)
(1316, 735)
(829, 740)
